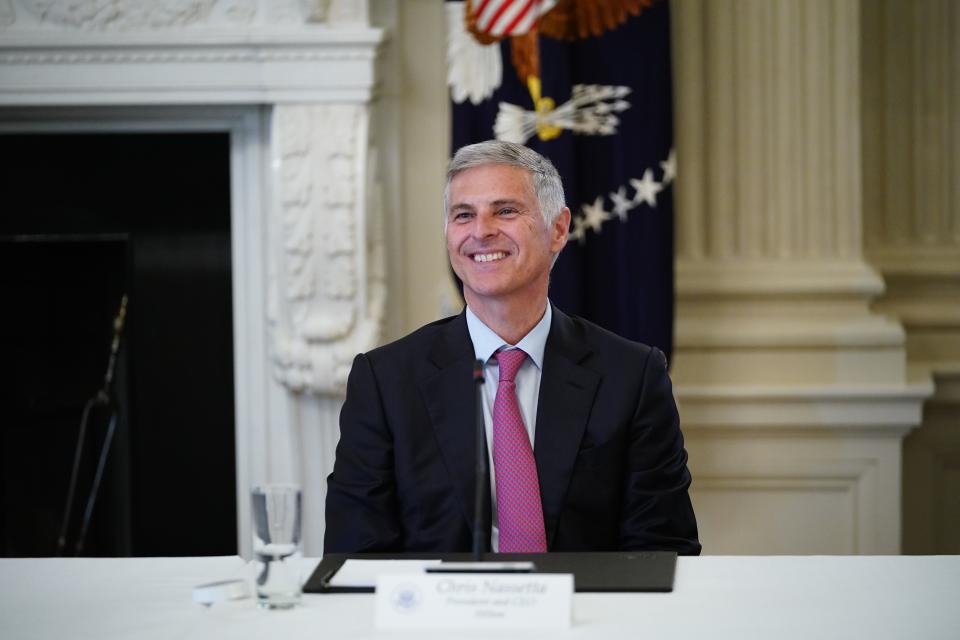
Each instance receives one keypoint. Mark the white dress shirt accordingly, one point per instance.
(485, 344)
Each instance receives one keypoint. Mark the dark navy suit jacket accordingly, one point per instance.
(610, 455)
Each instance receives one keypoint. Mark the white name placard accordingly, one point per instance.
(474, 601)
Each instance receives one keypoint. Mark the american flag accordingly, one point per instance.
(609, 131)
(509, 17)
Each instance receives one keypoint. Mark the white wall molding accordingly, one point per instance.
(223, 68)
(778, 276)
(789, 411)
(148, 15)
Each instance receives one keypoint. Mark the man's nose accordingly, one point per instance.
(484, 226)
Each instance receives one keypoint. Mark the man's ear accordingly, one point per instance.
(560, 230)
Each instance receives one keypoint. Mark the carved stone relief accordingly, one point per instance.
(129, 15)
(329, 287)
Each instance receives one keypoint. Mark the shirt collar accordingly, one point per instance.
(486, 342)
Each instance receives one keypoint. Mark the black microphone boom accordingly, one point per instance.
(480, 531)
(101, 398)
(480, 481)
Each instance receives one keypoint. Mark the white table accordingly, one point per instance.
(714, 597)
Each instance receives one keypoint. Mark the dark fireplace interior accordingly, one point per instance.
(86, 219)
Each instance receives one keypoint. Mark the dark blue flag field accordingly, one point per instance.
(587, 84)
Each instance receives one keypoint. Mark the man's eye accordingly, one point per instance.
(462, 216)
(507, 211)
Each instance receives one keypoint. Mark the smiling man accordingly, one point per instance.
(582, 429)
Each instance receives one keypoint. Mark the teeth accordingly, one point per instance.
(489, 257)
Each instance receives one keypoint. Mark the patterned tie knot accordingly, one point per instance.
(509, 362)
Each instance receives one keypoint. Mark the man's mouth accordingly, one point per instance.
(489, 257)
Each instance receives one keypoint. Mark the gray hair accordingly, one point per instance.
(546, 181)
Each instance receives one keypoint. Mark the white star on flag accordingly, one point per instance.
(647, 189)
(594, 215)
(621, 203)
(579, 231)
(669, 167)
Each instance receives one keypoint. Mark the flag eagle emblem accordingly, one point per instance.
(475, 67)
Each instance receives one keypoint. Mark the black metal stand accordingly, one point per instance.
(101, 399)
(480, 480)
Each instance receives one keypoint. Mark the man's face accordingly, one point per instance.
(498, 242)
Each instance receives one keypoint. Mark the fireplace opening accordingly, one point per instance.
(86, 219)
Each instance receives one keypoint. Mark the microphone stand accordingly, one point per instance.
(101, 398)
(481, 482)
(480, 479)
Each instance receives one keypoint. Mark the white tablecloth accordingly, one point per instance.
(714, 597)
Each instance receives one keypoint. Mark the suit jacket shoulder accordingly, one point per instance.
(435, 344)
(604, 351)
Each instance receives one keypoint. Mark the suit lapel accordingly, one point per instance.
(567, 392)
(448, 393)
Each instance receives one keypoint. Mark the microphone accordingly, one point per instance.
(481, 484)
(480, 479)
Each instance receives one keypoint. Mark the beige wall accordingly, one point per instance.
(426, 291)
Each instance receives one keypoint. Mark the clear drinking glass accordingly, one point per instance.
(276, 544)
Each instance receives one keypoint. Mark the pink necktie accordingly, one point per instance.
(519, 510)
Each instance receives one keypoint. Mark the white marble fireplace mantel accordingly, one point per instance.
(293, 83)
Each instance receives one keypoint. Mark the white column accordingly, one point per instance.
(794, 394)
(911, 145)
(327, 289)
